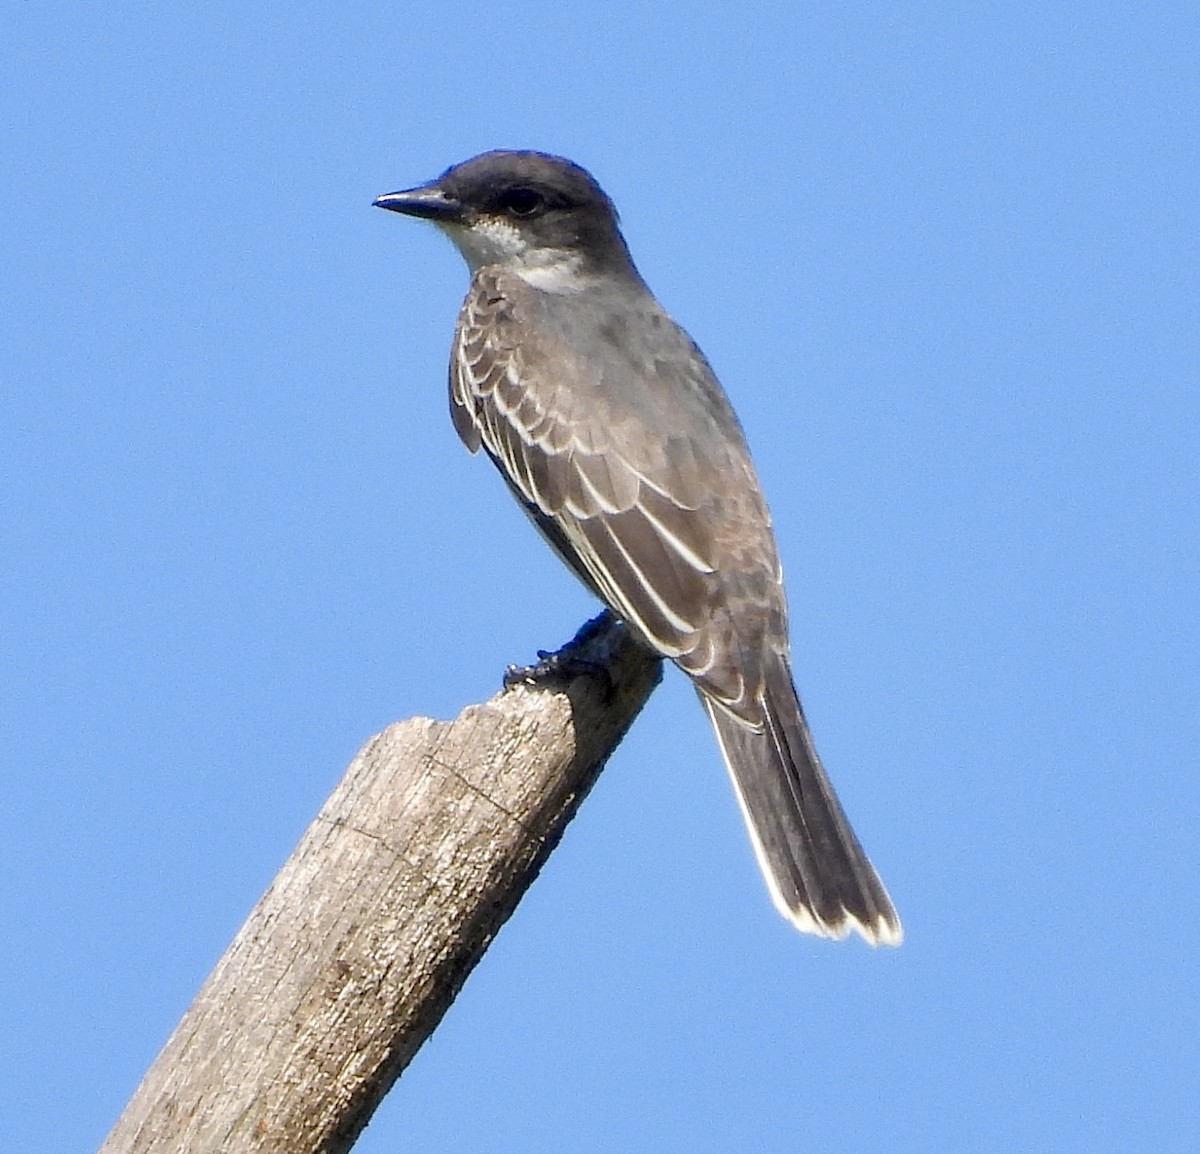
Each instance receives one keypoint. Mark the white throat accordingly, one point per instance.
(488, 242)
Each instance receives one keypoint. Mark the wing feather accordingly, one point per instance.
(644, 520)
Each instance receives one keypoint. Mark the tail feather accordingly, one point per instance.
(817, 873)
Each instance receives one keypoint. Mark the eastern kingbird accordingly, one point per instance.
(614, 435)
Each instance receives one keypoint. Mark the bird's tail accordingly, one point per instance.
(817, 873)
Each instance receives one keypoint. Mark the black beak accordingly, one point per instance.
(428, 202)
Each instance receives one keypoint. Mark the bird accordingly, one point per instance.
(613, 433)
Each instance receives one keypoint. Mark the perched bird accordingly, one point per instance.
(614, 435)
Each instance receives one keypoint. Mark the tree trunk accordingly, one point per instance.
(357, 949)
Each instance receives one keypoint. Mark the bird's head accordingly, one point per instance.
(540, 216)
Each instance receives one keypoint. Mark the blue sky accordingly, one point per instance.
(944, 259)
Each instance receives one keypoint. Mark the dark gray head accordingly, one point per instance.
(533, 213)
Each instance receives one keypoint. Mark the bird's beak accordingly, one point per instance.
(428, 201)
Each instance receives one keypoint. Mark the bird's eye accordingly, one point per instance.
(522, 201)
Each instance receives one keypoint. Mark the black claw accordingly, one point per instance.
(565, 664)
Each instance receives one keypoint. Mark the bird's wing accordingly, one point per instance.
(652, 522)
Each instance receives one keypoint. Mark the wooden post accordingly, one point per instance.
(367, 934)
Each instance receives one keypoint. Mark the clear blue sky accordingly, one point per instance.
(945, 261)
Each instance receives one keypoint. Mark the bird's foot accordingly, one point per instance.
(573, 660)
